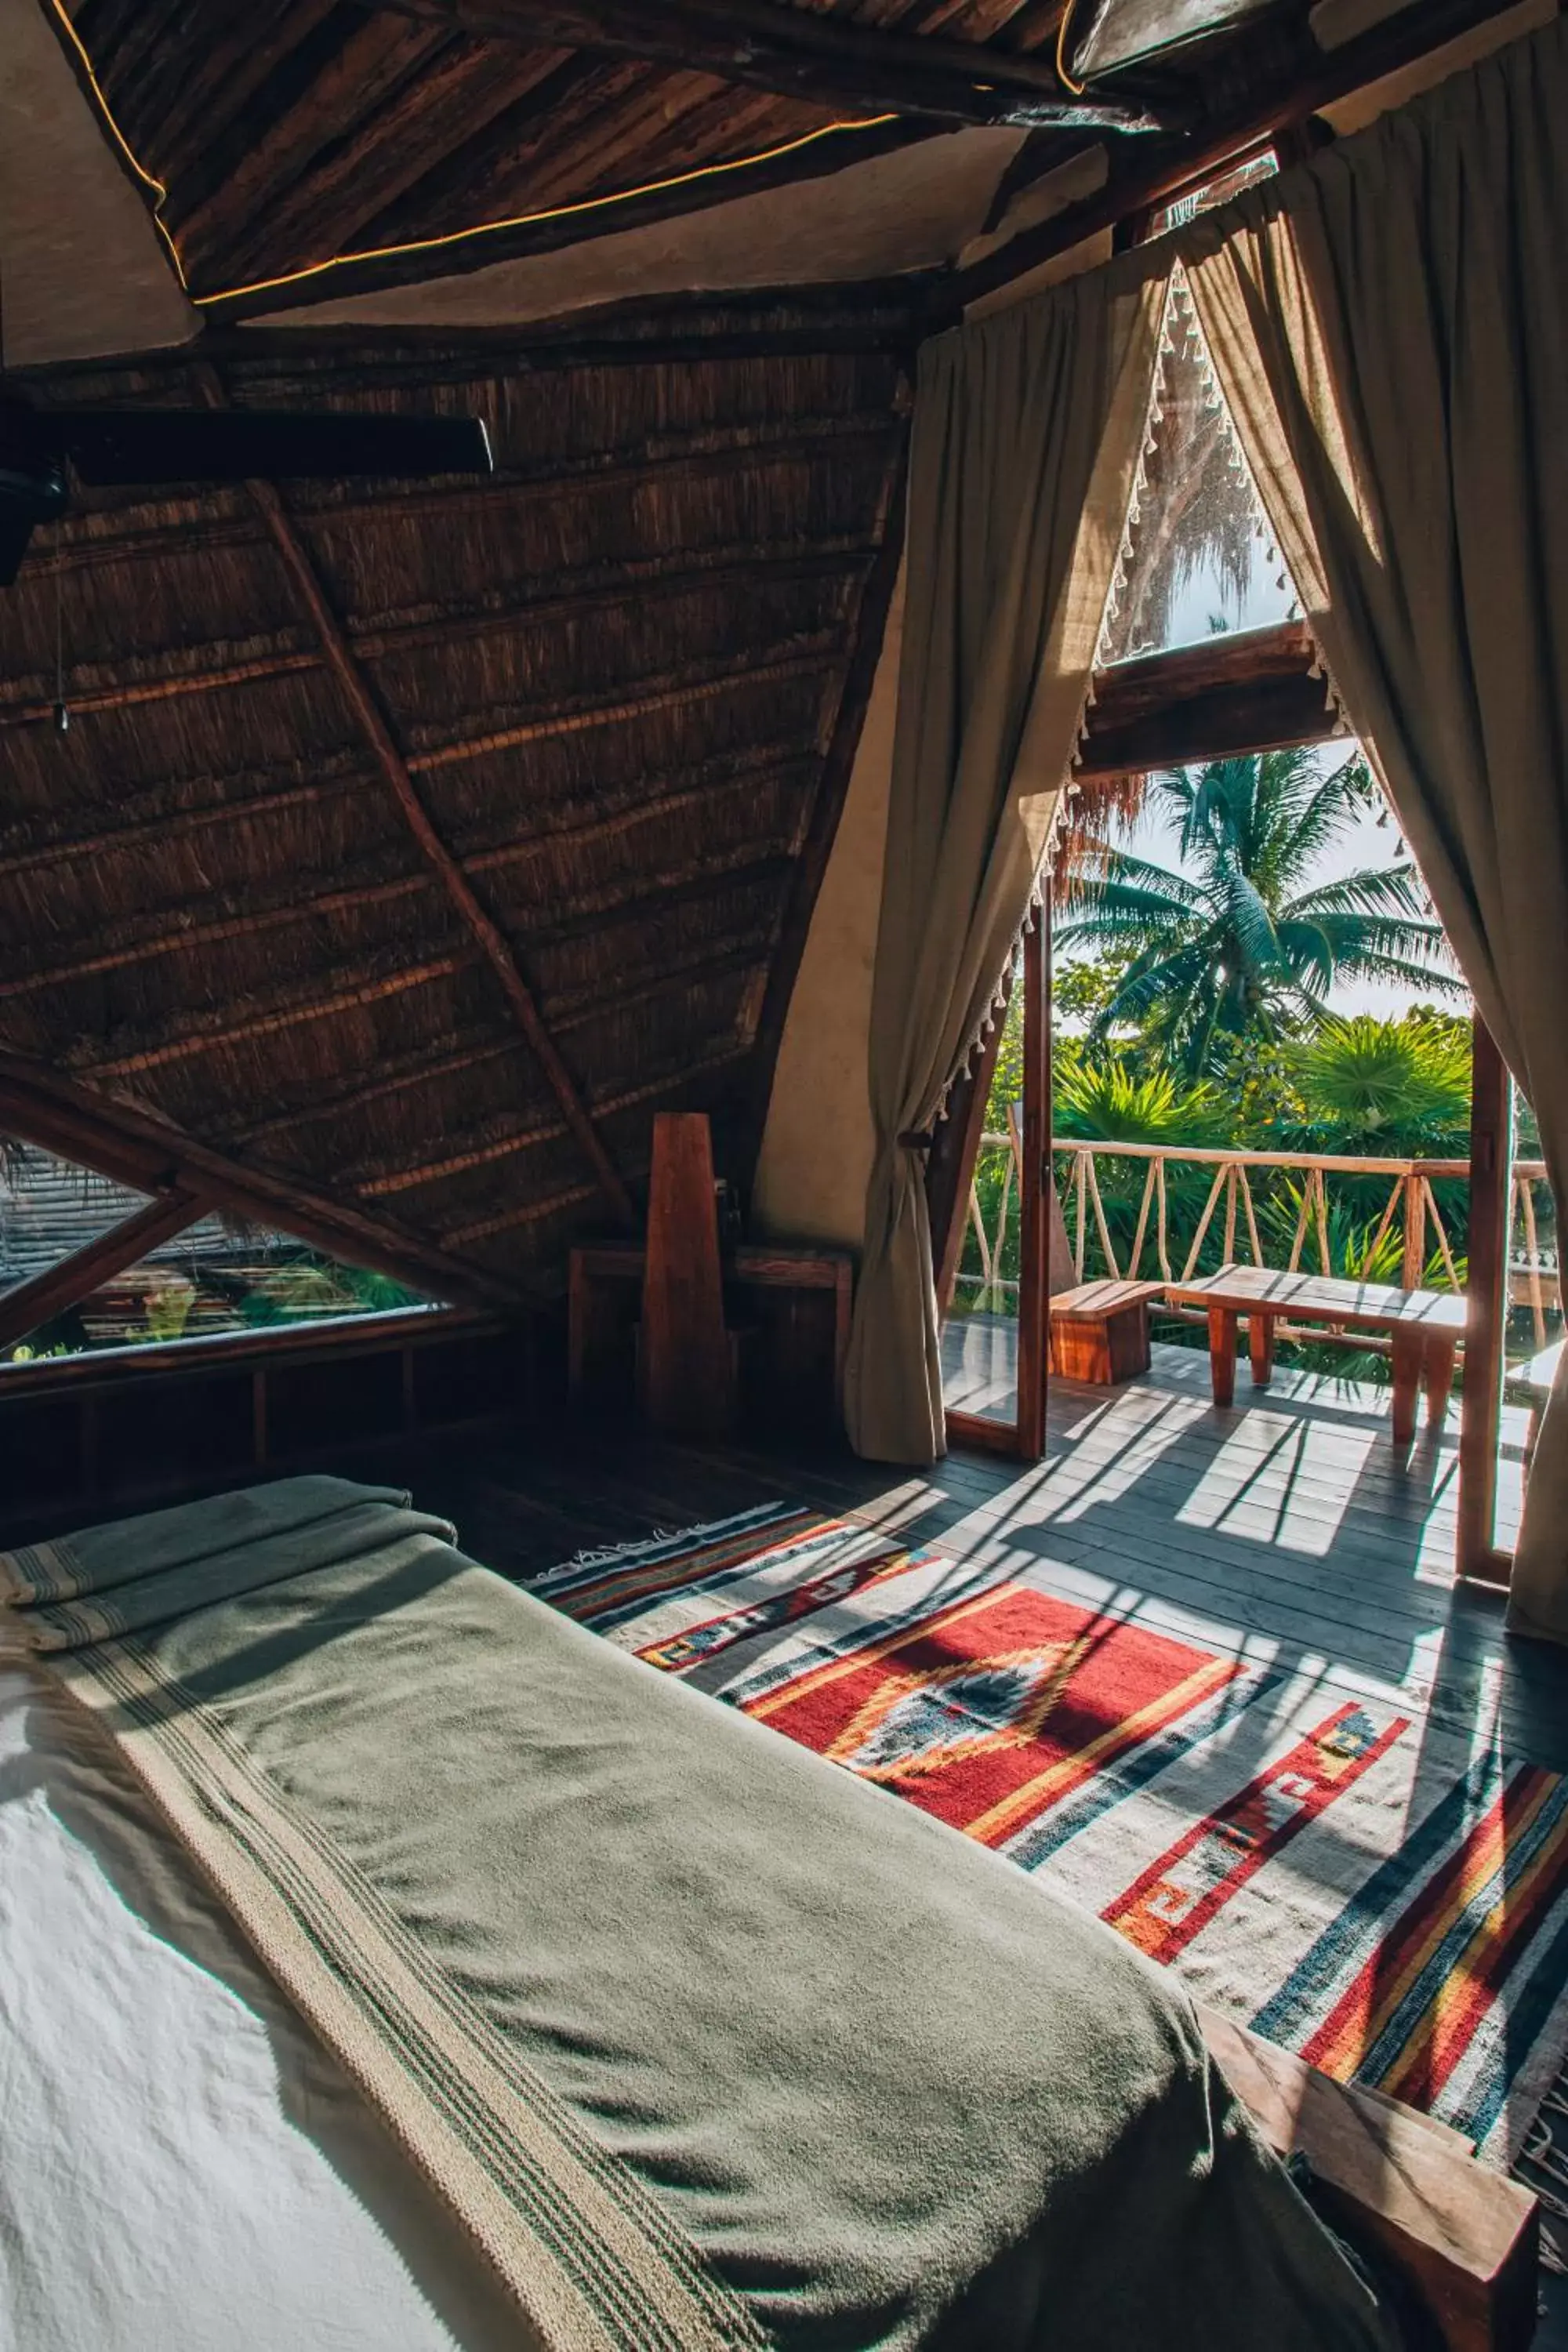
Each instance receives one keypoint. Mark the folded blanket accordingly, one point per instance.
(95, 1558)
(711, 2046)
(151, 1599)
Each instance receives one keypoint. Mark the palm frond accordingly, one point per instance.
(1371, 890)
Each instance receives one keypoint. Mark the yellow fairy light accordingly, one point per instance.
(452, 237)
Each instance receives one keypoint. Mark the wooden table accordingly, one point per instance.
(605, 1290)
(1424, 1326)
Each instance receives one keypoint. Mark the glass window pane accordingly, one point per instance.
(980, 1331)
(49, 1209)
(219, 1275)
(1196, 556)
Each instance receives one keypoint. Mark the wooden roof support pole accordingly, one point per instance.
(363, 700)
(47, 1295)
(795, 53)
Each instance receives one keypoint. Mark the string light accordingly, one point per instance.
(1076, 88)
(454, 236)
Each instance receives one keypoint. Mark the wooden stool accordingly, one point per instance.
(1099, 1332)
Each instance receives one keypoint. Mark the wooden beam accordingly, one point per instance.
(1487, 1313)
(1297, 79)
(151, 1154)
(1464, 2240)
(1252, 691)
(36, 1302)
(374, 723)
(796, 53)
(330, 1337)
(790, 657)
(698, 453)
(828, 808)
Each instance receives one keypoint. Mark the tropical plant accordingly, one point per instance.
(1232, 940)
(1104, 1099)
(1395, 1089)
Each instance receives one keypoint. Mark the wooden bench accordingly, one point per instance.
(1424, 1326)
(1099, 1332)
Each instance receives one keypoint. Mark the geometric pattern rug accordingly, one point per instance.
(1375, 1893)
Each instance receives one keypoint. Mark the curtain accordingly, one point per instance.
(1026, 435)
(1389, 327)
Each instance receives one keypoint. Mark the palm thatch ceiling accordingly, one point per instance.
(611, 677)
(409, 845)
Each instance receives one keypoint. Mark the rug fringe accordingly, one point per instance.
(611, 1555)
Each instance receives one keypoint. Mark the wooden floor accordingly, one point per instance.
(1284, 1530)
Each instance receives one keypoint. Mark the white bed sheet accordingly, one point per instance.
(183, 2168)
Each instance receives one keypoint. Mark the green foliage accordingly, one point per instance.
(1398, 1089)
(168, 1307)
(1007, 1080)
(1105, 1099)
(1082, 989)
(1232, 942)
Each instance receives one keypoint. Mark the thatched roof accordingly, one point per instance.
(615, 674)
(410, 844)
(290, 137)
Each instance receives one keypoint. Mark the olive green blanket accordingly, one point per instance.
(708, 2043)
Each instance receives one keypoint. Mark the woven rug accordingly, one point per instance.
(1370, 1890)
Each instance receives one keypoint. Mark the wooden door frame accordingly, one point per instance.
(1023, 1438)
(1486, 1325)
(1254, 692)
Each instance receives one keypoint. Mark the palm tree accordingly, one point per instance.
(1231, 940)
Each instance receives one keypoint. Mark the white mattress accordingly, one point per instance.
(182, 2167)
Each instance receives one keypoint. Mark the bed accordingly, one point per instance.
(628, 2023)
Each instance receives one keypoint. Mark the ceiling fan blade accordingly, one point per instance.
(16, 531)
(112, 448)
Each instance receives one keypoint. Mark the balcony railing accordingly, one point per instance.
(1168, 1211)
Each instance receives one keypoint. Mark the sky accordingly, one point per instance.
(1364, 843)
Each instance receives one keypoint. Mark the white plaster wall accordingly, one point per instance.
(817, 1148)
(85, 271)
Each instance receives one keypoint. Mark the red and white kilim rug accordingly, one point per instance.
(1384, 1895)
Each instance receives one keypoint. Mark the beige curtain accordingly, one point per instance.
(1390, 326)
(1026, 441)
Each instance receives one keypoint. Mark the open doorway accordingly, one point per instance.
(1262, 1049)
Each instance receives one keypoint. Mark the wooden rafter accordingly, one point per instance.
(75, 1277)
(795, 53)
(133, 1148)
(1294, 79)
(362, 699)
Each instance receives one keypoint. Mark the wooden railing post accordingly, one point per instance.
(1415, 1259)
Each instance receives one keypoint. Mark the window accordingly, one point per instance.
(217, 1276)
(1196, 553)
